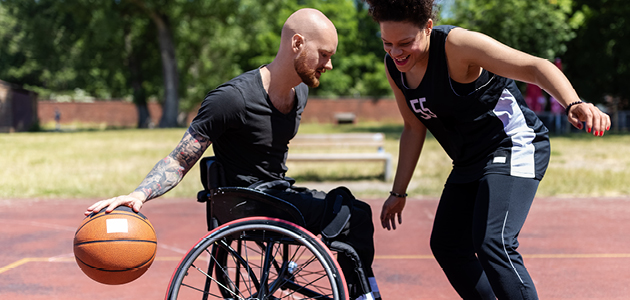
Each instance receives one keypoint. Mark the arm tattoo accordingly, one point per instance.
(168, 172)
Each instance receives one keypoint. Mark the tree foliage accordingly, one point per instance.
(117, 48)
(101, 48)
(591, 37)
(120, 48)
(598, 60)
(539, 27)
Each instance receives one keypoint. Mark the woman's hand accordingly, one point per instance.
(596, 121)
(393, 206)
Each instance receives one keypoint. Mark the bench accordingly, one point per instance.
(342, 141)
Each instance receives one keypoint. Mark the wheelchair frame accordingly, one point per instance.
(257, 248)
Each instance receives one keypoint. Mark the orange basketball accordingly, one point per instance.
(115, 248)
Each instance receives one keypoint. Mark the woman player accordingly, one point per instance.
(460, 86)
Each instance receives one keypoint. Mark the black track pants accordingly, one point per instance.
(359, 232)
(474, 237)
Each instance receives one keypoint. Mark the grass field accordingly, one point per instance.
(104, 163)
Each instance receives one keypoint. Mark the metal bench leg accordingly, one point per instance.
(388, 168)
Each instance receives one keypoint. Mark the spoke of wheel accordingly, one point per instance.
(199, 290)
(264, 287)
(280, 268)
(309, 284)
(225, 271)
(306, 264)
(218, 283)
(246, 283)
(298, 273)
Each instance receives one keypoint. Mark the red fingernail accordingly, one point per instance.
(608, 128)
(588, 130)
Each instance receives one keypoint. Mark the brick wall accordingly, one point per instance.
(325, 110)
(111, 113)
(125, 114)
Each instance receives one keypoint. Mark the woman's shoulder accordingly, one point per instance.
(444, 28)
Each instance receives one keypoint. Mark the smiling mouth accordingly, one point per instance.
(401, 61)
(319, 72)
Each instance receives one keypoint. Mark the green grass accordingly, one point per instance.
(584, 165)
(83, 164)
(106, 163)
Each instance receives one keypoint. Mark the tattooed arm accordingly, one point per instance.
(164, 176)
(168, 172)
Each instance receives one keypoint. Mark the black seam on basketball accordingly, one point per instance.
(120, 212)
(109, 241)
(135, 215)
(121, 270)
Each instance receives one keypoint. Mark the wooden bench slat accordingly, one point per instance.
(342, 140)
(346, 144)
(338, 156)
(343, 137)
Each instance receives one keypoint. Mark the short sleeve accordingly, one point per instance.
(222, 109)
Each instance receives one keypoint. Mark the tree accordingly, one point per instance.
(214, 47)
(538, 27)
(92, 46)
(174, 50)
(598, 60)
(360, 71)
(104, 47)
(250, 36)
(159, 14)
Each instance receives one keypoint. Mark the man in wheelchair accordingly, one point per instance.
(249, 121)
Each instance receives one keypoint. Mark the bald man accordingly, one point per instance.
(249, 122)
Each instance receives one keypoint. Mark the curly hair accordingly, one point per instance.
(417, 12)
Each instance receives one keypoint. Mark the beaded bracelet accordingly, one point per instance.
(566, 111)
(397, 194)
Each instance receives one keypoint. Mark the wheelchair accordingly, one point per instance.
(257, 248)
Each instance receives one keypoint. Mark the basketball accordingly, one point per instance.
(115, 248)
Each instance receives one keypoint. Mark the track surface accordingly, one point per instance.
(574, 249)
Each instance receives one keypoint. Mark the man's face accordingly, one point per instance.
(310, 68)
(310, 76)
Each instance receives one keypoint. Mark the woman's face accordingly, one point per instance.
(406, 43)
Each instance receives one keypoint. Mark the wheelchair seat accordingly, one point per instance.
(225, 204)
(232, 203)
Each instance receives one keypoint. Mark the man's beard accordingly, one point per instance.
(308, 75)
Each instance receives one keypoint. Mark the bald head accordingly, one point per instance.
(308, 22)
(308, 40)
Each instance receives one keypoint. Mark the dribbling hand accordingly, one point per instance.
(130, 200)
(392, 210)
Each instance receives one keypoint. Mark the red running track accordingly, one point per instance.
(574, 249)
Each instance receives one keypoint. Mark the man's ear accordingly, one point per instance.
(297, 42)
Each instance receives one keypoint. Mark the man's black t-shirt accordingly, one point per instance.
(249, 135)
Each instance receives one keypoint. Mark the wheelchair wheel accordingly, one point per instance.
(258, 258)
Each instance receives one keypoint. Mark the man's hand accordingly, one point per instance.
(164, 176)
(393, 206)
(133, 200)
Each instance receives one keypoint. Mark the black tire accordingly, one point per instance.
(258, 258)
